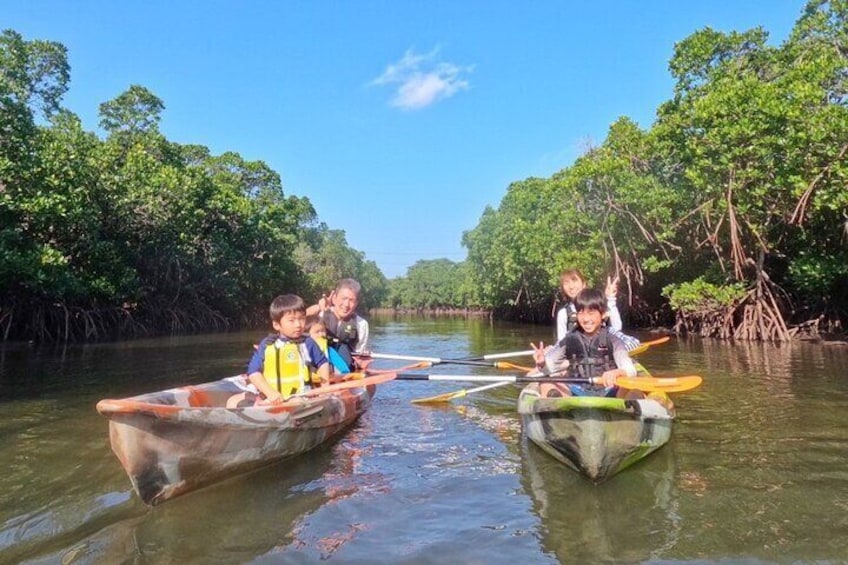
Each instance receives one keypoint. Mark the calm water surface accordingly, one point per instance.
(756, 471)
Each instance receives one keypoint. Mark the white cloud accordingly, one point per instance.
(421, 80)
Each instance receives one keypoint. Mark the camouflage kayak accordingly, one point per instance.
(174, 441)
(596, 436)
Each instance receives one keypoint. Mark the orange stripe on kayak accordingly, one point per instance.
(198, 398)
(109, 407)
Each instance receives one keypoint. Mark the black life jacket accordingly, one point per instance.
(342, 335)
(571, 321)
(588, 357)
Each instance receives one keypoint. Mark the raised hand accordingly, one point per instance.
(326, 302)
(538, 353)
(611, 290)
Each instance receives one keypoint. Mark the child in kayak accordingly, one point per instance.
(571, 283)
(284, 362)
(317, 330)
(588, 351)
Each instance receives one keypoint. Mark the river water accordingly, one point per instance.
(756, 470)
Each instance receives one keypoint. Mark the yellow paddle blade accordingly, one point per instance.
(641, 371)
(646, 345)
(447, 397)
(649, 384)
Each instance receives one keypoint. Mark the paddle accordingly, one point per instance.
(492, 356)
(448, 396)
(483, 361)
(352, 383)
(644, 346)
(646, 384)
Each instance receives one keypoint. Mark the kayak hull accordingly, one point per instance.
(175, 441)
(595, 436)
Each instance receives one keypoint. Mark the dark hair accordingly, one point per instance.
(284, 304)
(313, 322)
(570, 273)
(590, 299)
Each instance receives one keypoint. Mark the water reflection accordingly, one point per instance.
(226, 523)
(630, 519)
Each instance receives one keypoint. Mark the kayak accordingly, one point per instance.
(174, 441)
(594, 435)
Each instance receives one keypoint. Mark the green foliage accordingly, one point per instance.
(599, 216)
(133, 112)
(654, 265)
(33, 74)
(702, 296)
(134, 232)
(324, 256)
(739, 184)
(741, 178)
(429, 284)
(810, 274)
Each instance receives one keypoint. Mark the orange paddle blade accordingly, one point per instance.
(508, 365)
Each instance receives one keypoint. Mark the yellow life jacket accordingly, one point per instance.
(284, 368)
(323, 345)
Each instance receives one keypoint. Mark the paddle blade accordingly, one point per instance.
(641, 371)
(447, 397)
(508, 365)
(439, 398)
(647, 345)
(647, 384)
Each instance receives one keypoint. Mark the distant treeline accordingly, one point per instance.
(727, 217)
(134, 234)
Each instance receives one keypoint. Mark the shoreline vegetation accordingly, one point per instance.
(829, 339)
(431, 312)
(727, 217)
(135, 235)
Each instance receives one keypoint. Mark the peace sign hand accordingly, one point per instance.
(611, 290)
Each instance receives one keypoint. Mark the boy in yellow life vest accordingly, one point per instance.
(284, 362)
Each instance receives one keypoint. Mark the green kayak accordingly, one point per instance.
(594, 435)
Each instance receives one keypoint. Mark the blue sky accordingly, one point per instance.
(400, 120)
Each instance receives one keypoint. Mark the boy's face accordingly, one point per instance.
(291, 324)
(572, 286)
(317, 331)
(590, 320)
